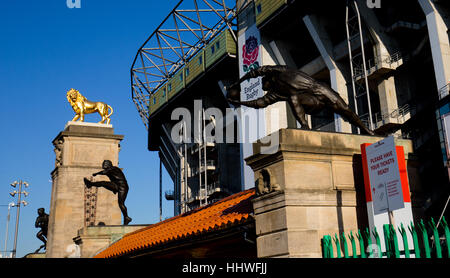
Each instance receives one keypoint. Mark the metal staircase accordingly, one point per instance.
(359, 74)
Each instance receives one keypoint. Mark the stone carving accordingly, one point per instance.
(266, 183)
(90, 205)
(42, 222)
(118, 185)
(82, 106)
(58, 152)
(304, 94)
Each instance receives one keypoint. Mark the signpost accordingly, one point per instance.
(386, 185)
(384, 175)
(446, 124)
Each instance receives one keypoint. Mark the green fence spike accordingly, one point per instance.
(330, 247)
(361, 244)
(344, 244)
(387, 240)
(426, 243)
(366, 234)
(447, 235)
(324, 248)
(352, 241)
(327, 247)
(394, 241)
(402, 232)
(338, 246)
(437, 242)
(391, 241)
(412, 230)
(377, 239)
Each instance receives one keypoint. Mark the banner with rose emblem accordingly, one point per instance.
(250, 58)
(252, 121)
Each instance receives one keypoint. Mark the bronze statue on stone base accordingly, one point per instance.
(118, 185)
(304, 94)
(42, 222)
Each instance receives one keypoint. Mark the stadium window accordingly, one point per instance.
(187, 72)
(212, 49)
(181, 76)
(200, 60)
(218, 45)
(169, 87)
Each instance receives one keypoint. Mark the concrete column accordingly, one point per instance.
(388, 98)
(246, 19)
(384, 44)
(284, 58)
(384, 47)
(439, 40)
(325, 47)
(278, 115)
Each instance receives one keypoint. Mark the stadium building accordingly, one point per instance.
(389, 61)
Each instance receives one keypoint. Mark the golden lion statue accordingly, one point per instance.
(83, 106)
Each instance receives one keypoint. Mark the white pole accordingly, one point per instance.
(7, 224)
(17, 219)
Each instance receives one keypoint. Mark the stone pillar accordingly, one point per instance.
(80, 150)
(439, 40)
(388, 98)
(321, 190)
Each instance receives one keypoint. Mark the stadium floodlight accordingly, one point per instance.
(19, 192)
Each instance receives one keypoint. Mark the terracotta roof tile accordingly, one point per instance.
(227, 212)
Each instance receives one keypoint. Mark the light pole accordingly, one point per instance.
(19, 202)
(7, 224)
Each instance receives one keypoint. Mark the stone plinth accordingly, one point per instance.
(35, 256)
(94, 239)
(80, 150)
(321, 190)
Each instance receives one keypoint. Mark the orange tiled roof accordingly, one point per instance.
(227, 212)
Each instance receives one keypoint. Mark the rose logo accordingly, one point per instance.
(250, 51)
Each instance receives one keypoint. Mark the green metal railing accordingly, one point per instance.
(427, 243)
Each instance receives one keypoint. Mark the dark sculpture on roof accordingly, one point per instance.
(42, 222)
(304, 94)
(118, 185)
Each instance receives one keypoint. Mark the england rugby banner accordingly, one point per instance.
(249, 59)
(252, 121)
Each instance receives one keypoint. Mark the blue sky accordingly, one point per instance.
(46, 49)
